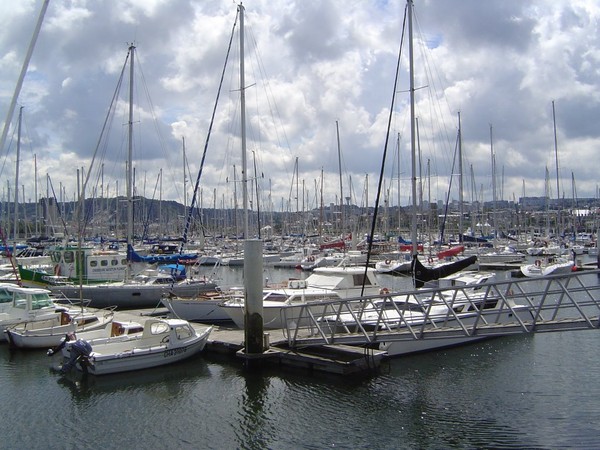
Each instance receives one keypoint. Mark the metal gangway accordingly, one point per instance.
(501, 308)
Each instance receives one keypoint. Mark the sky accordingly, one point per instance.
(320, 83)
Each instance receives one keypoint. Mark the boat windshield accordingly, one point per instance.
(159, 328)
(42, 300)
(275, 297)
(5, 296)
(183, 332)
(20, 300)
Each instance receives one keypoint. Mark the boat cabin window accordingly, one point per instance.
(183, 332)
(114, 262)
(124, 262)
(275, 297)
(69, 257)
(39, 301)
(86, 320)
(93, 263)
(104, 263)
(20, 300)
(490, 303)
(159, 328)
(5, 296)
(359, 278)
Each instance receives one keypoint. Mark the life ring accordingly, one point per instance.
(57, 270)
(384, 291)
(538, 263)
(388, 262)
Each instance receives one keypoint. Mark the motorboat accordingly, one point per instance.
(22, 304)
(296, 293)
(205, 307)
(543, 267)
(464, 278)
(163, 341)
(505, 255)
(323, 285)
(48, 333)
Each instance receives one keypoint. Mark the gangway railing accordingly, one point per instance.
(526, 305)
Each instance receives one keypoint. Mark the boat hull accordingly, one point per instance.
(406, 347)
(196, 309)
(21, 336)
(276, 316)
(125, 296)
(144, 358)
(539, 270)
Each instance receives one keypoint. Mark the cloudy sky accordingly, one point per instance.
(309, 65)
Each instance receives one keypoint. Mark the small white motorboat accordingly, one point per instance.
(22, 304)
(543, 267)
(284, 305)
(163, 341)
(49, 332)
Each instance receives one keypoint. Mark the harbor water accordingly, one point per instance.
(531, 391)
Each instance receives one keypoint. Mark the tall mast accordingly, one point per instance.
(243, 120)
(558, 219)
(35, 189)
(235, 205)
(337, 129)
(184, 174)
(460, 181)
(16, 211)
(412, 129)
(253, 262)
(130, 152)
(257, 194)
(398, 182)
(493, 183)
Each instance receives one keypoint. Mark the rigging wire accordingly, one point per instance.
(385, 147)
(212, 120)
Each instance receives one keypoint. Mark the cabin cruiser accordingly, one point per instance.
(323, 285)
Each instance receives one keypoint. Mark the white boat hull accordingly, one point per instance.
(30, 335)
(541, 270)
(173, 340)
(417, 346)
(144, 358)
(275, 316)
(399, 348)
(196, 309)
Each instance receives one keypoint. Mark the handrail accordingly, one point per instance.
(527, 305)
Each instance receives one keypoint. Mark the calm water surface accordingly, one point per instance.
(536, 391)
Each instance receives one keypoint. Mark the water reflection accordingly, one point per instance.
(167, 382)
(255, 429)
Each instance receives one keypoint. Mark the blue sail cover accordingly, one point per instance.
(134, 256)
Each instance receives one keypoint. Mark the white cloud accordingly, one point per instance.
(324, 61)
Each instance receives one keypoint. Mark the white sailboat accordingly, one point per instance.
(141, 291)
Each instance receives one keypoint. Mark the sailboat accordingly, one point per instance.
(420, 273)
(146, 288)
